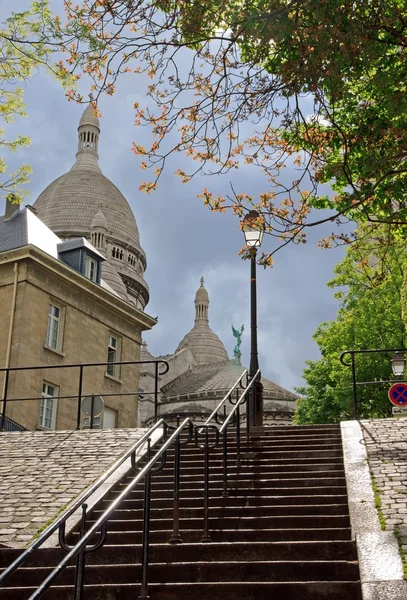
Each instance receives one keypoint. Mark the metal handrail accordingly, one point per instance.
(241, 400)
(80, 546)
(222, 402)
(78, 502)
(81, 366)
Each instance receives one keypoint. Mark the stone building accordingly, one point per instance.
(201, 374)
(72, 290)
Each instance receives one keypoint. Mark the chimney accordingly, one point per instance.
(12, 208)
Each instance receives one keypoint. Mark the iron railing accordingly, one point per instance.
(10, 425)
(205, 436)
(352, 354)
(80, 393)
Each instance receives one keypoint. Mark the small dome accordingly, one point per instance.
(145, 354)
(205, 345)
(112, 278)
(202, 341)
(99, 220)
(89, 117)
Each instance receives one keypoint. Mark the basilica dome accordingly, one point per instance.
(83, 203)
(204, 344)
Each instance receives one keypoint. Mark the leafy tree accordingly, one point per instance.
(369, 317)
(26, 44)
(323, 84)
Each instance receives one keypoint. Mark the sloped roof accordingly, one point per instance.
(26, 228)
(219, 377)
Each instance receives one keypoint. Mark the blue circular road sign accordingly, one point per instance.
(398, 394)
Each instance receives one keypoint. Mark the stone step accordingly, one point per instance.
(165, 477)
(235, 522)
(333, 467)
(230, 510)
(313, 590)
(131, 554)
(278, 453)
(259, 571)
(232, 535)
(216, 490)
(304, 499)
(216, 482)
(269, 447)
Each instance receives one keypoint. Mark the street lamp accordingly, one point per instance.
(253, 229)
(398, 363)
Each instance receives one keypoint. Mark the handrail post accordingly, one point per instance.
(5, 391)
(175, 536)
(78, 418)
(146, 529)
(238, 436)
(355, 400)
(225, 463)
(156, 393)
(80, 559)
(248, 415)
(206, 536)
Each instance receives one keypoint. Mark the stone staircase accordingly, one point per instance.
(283, 533)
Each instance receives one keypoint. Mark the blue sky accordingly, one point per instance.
(184, 240)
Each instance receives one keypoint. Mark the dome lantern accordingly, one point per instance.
(204, 344)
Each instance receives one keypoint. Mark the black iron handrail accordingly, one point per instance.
(352, 364)
(232, 418)
(205, 436)
(226, 397)
(101, 524)
(131, 453)
(79, 395)
(241, 401)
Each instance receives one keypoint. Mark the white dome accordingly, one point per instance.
(71, 205)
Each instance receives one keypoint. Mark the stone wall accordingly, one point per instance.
(42, 472)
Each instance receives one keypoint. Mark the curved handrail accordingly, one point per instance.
(105, 516)
(241, 400)
(222, 402)
(78, 502)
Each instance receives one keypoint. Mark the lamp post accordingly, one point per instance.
(253, 229)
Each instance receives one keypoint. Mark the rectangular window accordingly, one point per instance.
(113, 355)
(54, 327)
(91, 268)
(109, 418)
(48, 407)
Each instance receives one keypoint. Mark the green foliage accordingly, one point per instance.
(368, 283)
(26, 44)
(323, 85)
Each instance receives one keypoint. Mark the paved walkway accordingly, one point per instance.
(42, 472)
(386, 445)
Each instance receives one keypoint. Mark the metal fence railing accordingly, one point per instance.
(78, 370)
